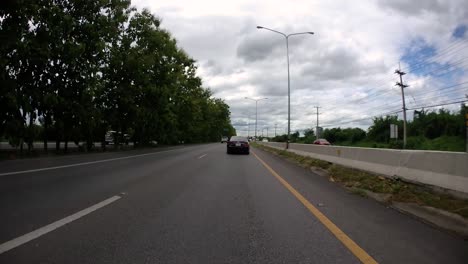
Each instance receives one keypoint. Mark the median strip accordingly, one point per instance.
(335, 230)
(51, 227)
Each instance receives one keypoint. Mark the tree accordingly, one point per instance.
(109, 67)
(294, 137)
(309, 136)
(380, 129)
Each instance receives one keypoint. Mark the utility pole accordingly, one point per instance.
(275, 129)
(248, 128)
(402, 86)
(466, 123)
(317, 128)
(267, 131)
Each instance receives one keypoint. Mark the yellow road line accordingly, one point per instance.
(340, 235)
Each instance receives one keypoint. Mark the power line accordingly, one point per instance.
(441, 104)
(449, 50)
(446, 93)
(424, 62)
(398, 111)
(460, 63)
(362, 119)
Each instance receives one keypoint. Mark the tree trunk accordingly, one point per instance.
(45, 134)
(30, 132)
(89, 145)
(21, 146)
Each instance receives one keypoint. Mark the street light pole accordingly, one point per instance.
(289, 95)
(256, 113)
(289, 82)
(256, 118)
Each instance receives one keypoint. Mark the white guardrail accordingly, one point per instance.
(448, 170)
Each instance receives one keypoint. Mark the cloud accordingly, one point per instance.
(338, 63)
(416, 7)
(255, 47)
(346, 67)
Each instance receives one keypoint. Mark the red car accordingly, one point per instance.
(238, 145)
(322, 141)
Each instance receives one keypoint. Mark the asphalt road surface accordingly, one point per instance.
(196, 204)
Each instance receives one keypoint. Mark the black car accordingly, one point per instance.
(238, 144)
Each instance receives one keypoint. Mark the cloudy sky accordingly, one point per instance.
(347, 67)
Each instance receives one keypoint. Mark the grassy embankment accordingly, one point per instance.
(360, 181)
(445, 143)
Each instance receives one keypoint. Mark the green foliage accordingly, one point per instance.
(294, 137)
(445, 143)
(434, 124)
(380, 129)
(351, 135)
(429, 130)
(280, 138)
(309, 136)
(81, 68)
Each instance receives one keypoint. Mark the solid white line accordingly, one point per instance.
(202, 156)
(51, 227)
(84, 163)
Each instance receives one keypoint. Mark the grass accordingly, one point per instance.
(358, 181)
(444, 143)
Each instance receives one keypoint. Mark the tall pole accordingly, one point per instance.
(248, 127)
(289, 83)
(275, 129)
(256, 112)
(402, 86)
(466, 123)
(256, 104)
(289, 95)
(317, 128)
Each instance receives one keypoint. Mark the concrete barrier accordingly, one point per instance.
(448, 170)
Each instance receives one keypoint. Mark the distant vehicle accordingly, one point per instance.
(264, 140)
(238, 144)
(111, 135)
(322, 141)
(224, 139)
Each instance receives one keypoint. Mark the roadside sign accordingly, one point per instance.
(393, 131)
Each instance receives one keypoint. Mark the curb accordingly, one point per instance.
(435, 217)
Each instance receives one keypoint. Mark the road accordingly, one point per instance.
(196, 204)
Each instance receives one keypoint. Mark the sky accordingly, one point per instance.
(347, 67)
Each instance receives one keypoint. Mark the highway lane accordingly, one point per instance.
(199, 205)
(47, 195)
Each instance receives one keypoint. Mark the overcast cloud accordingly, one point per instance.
(347, 67)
